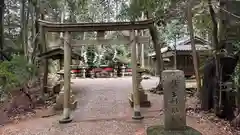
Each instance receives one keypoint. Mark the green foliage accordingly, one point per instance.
(12, 19)
(91, 56)
(236, 75)
(16, 72)
(137, 7)
(201, 18)
(122, 54)
(6, 78)
(173, 30)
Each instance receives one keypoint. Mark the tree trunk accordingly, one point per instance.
(23, 28)
(157, 47)
(43, 48)
(1, 28)
(194, 53)
(226, 34)
(222, 30)
(214, 23)
(215, 43)
(26, 32)
(35, 14)
(159, 60)
(236, 121)
(175, 52)
(33, 31)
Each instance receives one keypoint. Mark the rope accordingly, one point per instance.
(217, 6)
(234, 15)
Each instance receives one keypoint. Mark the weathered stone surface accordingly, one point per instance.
(143, 97)
(60, 101)
(174, 99)
(123, 70)
(144, 102)
(160, 130)
(53, 84)
(73, 76)
(54, 89)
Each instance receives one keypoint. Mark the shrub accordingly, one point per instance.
(15, 73)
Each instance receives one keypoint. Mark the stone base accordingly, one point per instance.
(65, 120)
(73, 76)
(144, 102)
(159, 130)
(60, 101)
(137, 116)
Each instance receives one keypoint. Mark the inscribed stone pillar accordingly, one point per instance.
(174, 99)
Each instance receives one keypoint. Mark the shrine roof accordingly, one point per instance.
(184, 44)
(58, 53)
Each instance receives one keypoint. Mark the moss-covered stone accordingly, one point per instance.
(159, 130)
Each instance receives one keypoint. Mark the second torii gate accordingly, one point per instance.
(46, 26)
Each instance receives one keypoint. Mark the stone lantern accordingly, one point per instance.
(115, 71)
(92, 73)
(73, 75)
(60, 97)
(142, 95)
(83, 72)
(123, 70)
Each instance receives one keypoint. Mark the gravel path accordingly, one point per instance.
(103, 109)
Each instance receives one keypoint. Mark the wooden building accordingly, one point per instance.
(183, 53)
(58, 54)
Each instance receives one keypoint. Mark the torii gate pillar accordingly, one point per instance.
(67, 78)
(136, 99)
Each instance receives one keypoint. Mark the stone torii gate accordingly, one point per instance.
(67, 28)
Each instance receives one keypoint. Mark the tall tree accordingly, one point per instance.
(194, 53)
(1, 28)
(23, 27)
(174, 30)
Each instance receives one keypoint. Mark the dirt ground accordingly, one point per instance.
(103, 109)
